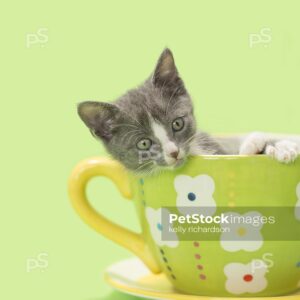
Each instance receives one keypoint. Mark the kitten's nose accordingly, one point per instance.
(174, 154)
(171, 150)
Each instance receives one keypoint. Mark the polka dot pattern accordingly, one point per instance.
(165, 260)
(191, 196)
(141, 181)
(159, 226)
(198, 257)
(240, 276)
(248, 277)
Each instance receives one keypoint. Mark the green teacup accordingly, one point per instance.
(218, 267)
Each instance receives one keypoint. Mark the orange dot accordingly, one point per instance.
(248, 277)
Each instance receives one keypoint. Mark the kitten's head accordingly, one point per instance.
(149, 127)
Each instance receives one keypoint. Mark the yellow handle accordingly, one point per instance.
(101, 166)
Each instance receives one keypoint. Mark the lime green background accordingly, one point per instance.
(97, 50)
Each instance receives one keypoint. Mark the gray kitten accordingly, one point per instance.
(153, 126)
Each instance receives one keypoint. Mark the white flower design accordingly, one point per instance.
(248, 278)
(195, 192)
(242, 235)
(297, 208)
(154, 218)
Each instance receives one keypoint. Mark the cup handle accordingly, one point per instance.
(102, 166)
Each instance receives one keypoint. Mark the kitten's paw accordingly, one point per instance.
(255, 143)
(284, 151)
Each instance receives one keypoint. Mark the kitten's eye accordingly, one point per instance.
(178, 124)
(144, 144)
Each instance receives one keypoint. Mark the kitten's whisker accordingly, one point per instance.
(137, 131)
(134, 136)
(142, 166)
(131, 131)
(132, 118)
(189, 139)
(152, 171)
(170, 99)
(175, 105)
(162, 90)
(125, 125)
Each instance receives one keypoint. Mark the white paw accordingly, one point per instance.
(284, 151)
(253, 144)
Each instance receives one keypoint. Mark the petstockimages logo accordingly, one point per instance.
(255, 220)
(229, 224)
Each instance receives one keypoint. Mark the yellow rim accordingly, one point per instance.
(150, 294)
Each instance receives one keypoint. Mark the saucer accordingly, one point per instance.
(132, 277)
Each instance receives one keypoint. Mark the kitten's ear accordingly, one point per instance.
(98, 116)
(166, 74)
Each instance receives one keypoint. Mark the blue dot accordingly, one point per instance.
(159, 226)
(141, 181)
(191, 196)
(298, 264)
